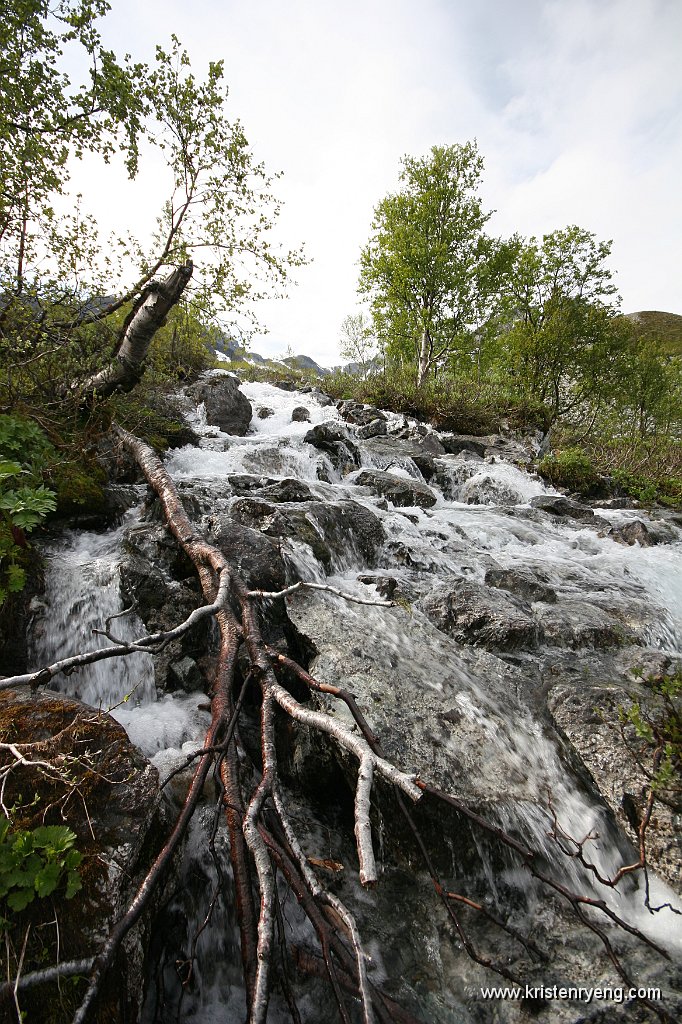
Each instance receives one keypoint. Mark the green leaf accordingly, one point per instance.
(16, 578)
(20, 899)
(9, 469)
(73, 884)
(55, 838)
(47, 879)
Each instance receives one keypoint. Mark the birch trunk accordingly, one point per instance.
(149, 314)
(424, 357)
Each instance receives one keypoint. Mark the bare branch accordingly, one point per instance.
(274, 594)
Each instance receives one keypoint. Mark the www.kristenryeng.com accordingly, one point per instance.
(572, 993)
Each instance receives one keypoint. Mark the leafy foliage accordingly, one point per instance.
(460, 404)
(428, 266)
(358, 342)
(568, 467)
(61, 290)
(34, 863)
(24, 500)
(658, 724)
(535, 323)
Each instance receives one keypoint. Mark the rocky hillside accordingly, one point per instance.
(666, 327)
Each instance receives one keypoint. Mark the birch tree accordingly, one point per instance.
(428, 266)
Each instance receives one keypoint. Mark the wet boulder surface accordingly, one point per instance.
(515, 612)
(101, 788)
(225, 405)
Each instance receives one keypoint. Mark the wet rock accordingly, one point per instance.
(158, 579)
(144, 583)
(321, 397)
(119, 499)
(247, 483)
(264, 412)
(522, 583)
(338, 534)
(226, 406)
(474, 614)
(406, 674)
(360, 415)
(431, 443)
(287, 490)
(391, 451)
(118, 831)
(386, 585)
(638, 532)
(453, 444)
(451, 471)
(300, 414)
(565, 508)
(397, 489)
(633, 533)
(285, 385)
(575, 624)
(334, 441)
(185, 675)
(374, 428)
(255, 557)
(590, 718)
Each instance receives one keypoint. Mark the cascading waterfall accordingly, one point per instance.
(82, 592)
(481, 517)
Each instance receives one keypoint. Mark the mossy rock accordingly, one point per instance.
(105, 791)
(80, 489)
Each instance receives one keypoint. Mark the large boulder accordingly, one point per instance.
(254, 557)
(594, 720)
(528, 585)
(566, 508)
(339, 534)
(475, 614)
(455, 444)
(226, 406)
(106, 792)
(391, 451)
(160, 581)
(336, 444)
(399, 490)
(360, 415)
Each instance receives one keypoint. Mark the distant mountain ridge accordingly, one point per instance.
(229, 351)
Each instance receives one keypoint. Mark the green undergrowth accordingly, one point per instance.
(461, 405)
(271, 373)
(646, 470)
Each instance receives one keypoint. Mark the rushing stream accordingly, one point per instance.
(481, 526)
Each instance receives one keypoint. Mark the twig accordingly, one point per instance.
(44, 977)
(274, 594)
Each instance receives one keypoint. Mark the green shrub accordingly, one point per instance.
(25, 453)
(664, 490)
(570, 468)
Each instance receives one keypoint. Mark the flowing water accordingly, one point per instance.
(482, 518)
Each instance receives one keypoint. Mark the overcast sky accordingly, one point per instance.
(576, 106)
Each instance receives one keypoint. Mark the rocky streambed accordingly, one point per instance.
(522, 622)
